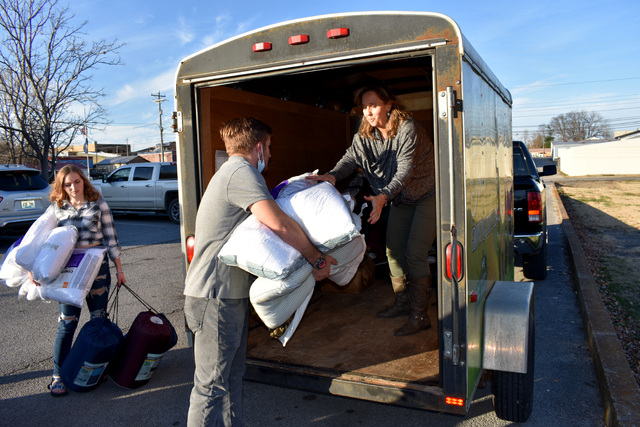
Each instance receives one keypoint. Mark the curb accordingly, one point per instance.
(618, 388)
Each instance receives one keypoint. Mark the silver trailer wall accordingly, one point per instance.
(488, 169)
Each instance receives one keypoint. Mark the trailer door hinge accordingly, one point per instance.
(176, 121)
(448, 344)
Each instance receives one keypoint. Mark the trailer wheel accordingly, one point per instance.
(513, 392)
(535, 266)
(174, 211)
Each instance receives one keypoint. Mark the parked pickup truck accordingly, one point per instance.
(143, 187)
(530, 216)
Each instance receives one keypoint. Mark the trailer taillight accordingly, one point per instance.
(191, 244)
(534, 203)
(454, 401)
(447, 258)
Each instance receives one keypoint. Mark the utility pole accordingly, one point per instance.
(159, 100)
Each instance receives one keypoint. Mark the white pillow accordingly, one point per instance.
(255, 248)
(321, 212)
(34, 238)
(55, 252)
(323, 215)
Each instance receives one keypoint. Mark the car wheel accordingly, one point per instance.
(174, 211)
(513, 392)
(534, 266)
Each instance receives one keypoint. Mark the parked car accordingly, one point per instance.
(151, 186)
(24, 196)
(530, 213)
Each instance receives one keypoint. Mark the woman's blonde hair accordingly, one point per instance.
(58, 195)
(397, 114)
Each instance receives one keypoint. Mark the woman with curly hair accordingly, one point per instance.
(396, 156)
(76, 202)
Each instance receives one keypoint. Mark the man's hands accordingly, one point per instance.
(377, 203)
(324, 272)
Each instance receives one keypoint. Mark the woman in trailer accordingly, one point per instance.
(76, 202)
(396, 155)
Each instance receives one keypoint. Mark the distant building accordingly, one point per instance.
(557, 147)
(625, 133)
(620, 157)
(154, 154)
(631, 134)
(107, 166)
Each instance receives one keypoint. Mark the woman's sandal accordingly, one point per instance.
(57, 388)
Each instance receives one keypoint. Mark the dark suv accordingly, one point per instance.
(530, 214)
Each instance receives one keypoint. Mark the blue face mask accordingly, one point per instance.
(261, 163)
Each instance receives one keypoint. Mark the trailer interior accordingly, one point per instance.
(313, 117)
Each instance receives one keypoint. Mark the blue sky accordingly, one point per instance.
(554, 56)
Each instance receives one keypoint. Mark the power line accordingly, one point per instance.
(636, 96)
(575, 83)
(551, 114)
(559, 105)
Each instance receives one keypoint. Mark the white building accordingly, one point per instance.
(605, 158)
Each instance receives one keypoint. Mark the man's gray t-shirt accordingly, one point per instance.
(233, 189)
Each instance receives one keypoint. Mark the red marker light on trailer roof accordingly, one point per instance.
(336, 33)
(300, 39)
(261, 47)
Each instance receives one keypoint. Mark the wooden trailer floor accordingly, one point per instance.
(340, 333)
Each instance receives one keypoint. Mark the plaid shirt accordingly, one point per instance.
(94, 223)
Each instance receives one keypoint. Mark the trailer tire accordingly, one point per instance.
(535, 266)
(513, 392)
(174, 211)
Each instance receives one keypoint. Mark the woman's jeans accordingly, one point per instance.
(411, 231)
(68, 322)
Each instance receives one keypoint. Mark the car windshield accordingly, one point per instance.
(21, 181)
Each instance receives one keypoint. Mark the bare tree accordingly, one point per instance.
(578, 126)
(45, 80)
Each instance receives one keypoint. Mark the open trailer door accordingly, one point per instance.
(299, 77)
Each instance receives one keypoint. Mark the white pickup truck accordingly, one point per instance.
(142, 187)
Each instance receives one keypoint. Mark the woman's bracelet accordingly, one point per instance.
(118, 272)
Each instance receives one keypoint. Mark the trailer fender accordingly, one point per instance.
(506, 326)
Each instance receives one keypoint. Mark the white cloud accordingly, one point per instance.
(184, 32)
(163, 82)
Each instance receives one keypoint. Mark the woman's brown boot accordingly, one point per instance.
(401, 305)
(419, 291)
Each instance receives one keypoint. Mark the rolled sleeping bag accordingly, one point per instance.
(276, 300)
(97, 345)
(149, 337)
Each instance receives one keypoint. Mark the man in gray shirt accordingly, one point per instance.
(217, 295)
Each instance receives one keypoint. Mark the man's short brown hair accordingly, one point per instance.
(241, 135)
